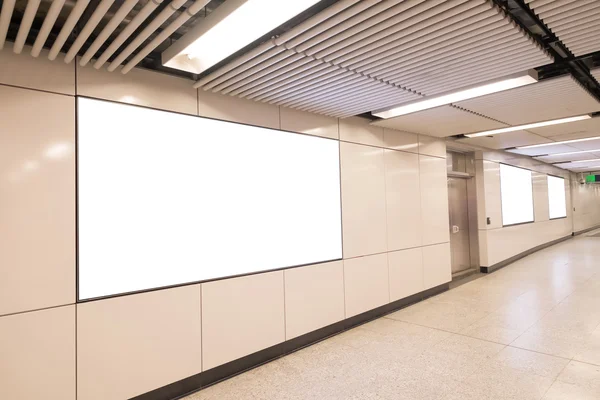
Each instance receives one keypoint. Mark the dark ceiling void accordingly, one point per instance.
(564, 61)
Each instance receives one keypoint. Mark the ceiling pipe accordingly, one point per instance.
(127, 32)
(206, 83)
(5, 16)
(165, 33)
(110, 27)
(88, 28)
(67, 28)
(145, 34)
(51, 16)
(25, 26)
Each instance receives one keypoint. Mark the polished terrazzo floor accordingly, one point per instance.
(528, 331)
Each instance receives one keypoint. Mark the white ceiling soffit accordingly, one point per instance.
(572, 130)
(559, 148)
(506, 140)
(575, 22)
(440, 122)
(569, 157)
(356, 57)
(542, 101)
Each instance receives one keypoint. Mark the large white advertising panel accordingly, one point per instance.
(557, 197)
(517, 195)
(166, 199)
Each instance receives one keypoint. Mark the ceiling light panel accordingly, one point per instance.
(546, 100)
(528, 126)
(575, 22)
(440, 122)
(570, 156)
(454, 97)
(590, 143)
(506, 140)
(409, 49)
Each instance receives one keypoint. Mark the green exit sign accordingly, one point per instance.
(592, 178)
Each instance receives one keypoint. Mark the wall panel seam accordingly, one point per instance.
(36, 90)
(37, 309)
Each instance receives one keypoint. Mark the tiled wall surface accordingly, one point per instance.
(395, 237)
(498, 243)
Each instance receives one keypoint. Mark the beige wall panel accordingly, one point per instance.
(436, 265)
(358, 130)
(403, 200)
(309, 123)
(37, 200)
(140, 87)
(241, 316)
(36, 73)
(314, 297)
(434, 200)
(229, 108)
(133, 344)
(363, 200)
(406, 273)
(37, 355)
(366, 281)
(431, 146)
(399, 140)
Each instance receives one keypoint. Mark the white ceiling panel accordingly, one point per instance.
(546, 100)
(506, 140)
(575, 22)
(591, 162)
(440, 122)
(569, 157)
(373, 54)
(539, 151)
(576, 130)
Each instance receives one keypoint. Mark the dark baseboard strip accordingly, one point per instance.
(593, 228)
(502, 264)
(204, 379)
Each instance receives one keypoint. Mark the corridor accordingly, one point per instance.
(528, 331)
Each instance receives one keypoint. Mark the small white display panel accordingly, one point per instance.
(166, 199)
(557, 197)
(517, 195)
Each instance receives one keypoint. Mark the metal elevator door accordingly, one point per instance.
(459, 224)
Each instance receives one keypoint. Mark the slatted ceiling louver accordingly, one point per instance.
(561, 97)
(396, 55)
(576, 22)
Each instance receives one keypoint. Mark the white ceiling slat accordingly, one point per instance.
(506, 140)
(387, 53)
(575, 22)
(5, 15)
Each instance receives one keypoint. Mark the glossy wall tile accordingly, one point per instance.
(241, 316)
(37, 186)
(37, 355)
(366, 283)
(133, 344)
(434, 200)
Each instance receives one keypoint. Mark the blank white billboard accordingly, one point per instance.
(517, 195)
(557, 197)
(166, 199)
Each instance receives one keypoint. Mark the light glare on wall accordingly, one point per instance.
(233, 25)
(437, 101)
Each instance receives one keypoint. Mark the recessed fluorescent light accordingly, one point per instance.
(568, 153)
(555, 143)
(233, 25)
(454, 97)
(578, 161)
(528, 126)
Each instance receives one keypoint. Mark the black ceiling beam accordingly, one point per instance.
(564, 60)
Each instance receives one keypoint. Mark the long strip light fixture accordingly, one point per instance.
(510, 82)
(591, 160)
(532, 146)
(568, 153)
(529, 126)
(232, 26)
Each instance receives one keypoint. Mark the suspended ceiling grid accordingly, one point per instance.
(375, 54)
(575, 22)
